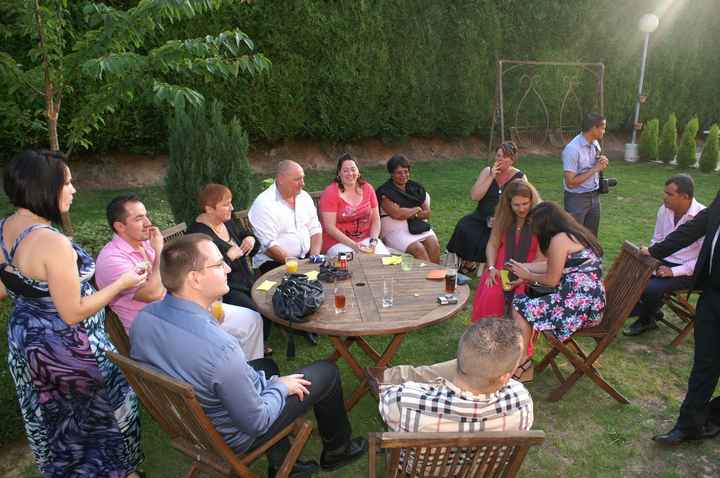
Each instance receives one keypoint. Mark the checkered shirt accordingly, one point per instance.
(440, 406)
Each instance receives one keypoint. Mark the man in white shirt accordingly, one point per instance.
(285, 219)
(679, 206)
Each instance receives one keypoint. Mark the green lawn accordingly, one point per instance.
(588, 433)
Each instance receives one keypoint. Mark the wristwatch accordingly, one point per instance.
(373, 241)
(492, 268)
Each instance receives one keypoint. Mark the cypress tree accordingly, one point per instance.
(687, 150)
(204, 148)
(711, 151)
(668, 140)
(649, 141)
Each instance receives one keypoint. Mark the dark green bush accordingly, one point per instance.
(687, 151)
(649, 141)
(668, 140)
(204, 148)
(711, 150)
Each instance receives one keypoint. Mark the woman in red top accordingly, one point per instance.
(511, 238)
(349, 212)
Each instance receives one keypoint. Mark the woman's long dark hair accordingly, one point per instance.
(549, 219)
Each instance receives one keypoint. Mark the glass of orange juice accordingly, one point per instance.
(216, 310)
(292, 265)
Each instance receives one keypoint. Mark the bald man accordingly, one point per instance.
(285, 219)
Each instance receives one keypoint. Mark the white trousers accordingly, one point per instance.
(247, 327)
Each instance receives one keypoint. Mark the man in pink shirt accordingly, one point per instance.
(135, 243)
(679, 206)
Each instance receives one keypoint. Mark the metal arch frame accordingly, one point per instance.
(597, 70)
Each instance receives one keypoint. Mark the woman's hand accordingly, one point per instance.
(247, 245)
(365, 249)
(495, 170)
(131, 279)
(234, 252)
(519, 269)
(492, 277)
(516, 283)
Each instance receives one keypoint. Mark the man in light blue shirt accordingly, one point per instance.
(247, 402)
(582, 163)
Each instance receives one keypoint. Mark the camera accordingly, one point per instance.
(606, 184)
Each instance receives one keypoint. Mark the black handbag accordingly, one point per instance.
(538, 290)
(418, 226)
(297, 297)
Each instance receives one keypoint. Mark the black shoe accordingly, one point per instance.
(640, 327)
(356, 448)
(677, 435)
(302, 469)
(312, 338)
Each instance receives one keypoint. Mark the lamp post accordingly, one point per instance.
(648, 23)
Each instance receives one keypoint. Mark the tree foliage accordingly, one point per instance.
(711, 150)
(114, 56)
(687, 151)
(649, 141)
(204, 148)
(668, 140)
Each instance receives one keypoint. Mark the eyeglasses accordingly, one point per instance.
(220, 265)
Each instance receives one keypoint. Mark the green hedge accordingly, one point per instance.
(351, 69)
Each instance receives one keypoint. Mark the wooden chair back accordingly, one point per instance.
(241, 217)
(175, 408)
(460, 455)
(116, 330)
(315, 195)
(174, 232)
(624, 284)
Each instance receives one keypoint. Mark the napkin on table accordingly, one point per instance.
(266, 285)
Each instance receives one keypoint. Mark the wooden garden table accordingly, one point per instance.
(415, 307)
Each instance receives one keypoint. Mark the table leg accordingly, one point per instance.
(342, 349)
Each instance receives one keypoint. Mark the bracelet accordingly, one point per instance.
(492, 268)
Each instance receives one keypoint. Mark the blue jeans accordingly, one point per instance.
(651, 299)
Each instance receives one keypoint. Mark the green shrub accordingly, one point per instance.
(711, 151)
(668, 140)
(687, 150)
(204, 148)
(649, 140)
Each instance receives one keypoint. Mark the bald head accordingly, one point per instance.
(290, 178)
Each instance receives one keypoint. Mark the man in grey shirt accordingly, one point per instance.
(582, 163)
(247, 402)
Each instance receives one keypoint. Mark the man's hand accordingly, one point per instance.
(296, 385)
(644, 251)
(156, 240)
(664, 271)
(602, 163)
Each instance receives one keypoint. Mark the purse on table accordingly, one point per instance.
(296, 297)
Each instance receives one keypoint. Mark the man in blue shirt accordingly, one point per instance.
(248, 402)
(582, 163)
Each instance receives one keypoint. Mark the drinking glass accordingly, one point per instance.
(292, 265)
(388, 297)
(217, 310)
(406, 262)
(451, 265)
(340, 299)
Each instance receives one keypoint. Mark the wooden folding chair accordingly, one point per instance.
(461, 455)
(678, 302)
(624, 285)
(241, 217)
(174, 232)
(116, 331)
(175, 408)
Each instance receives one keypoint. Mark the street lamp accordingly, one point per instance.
(648, 23)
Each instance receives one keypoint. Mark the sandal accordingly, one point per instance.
(525, 372)
(268, 351)
(468, 267)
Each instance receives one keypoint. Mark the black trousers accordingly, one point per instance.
(706, 362)
(326, 399)
(651, 300)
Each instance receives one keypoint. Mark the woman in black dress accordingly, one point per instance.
(236, 244)
(472, 232)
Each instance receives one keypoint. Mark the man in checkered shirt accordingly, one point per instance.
(472, 393)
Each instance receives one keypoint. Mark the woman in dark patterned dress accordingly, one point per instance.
(81, 416)
(471, 234)
(574, 267)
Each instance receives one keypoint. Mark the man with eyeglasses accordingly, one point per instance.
(248, 402)
(582, 165)
(137, 243)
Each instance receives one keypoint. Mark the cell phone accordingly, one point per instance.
(447, 299)
(505, 278)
